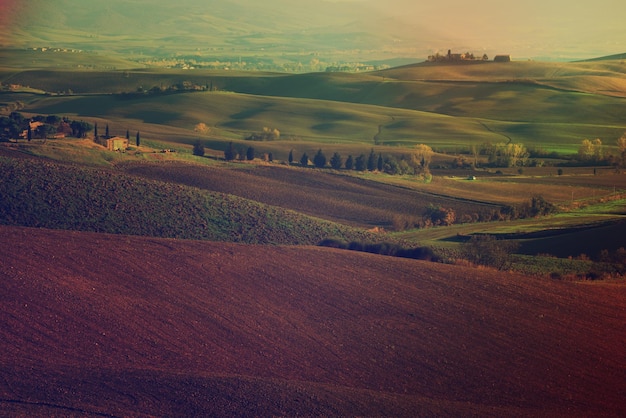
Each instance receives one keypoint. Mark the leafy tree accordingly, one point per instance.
(80, 129)
(621, 142)
(349, 163)
(290, 159)
(336, 161)
(422, 156)
(438, 215)
(198, 149)
(250, 154)
(371, 161)
(229, 152)
(45, 130)
(361, 163)
(304, 160)
(53, 120)
(319, 160)
(590, 151)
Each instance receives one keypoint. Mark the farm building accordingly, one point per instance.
(502, 58)
(117, 143)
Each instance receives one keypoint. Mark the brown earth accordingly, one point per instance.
(105, 325)
(344, 199)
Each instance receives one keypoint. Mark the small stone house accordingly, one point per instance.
(117, 143)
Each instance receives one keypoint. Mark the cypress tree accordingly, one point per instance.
(319, 160)
(371, 161)
(304, 161)
(336, 161)
(229, 152)
(349, 163)
(137, 139)
(250, 154)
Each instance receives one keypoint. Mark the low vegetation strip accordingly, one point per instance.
(50, 195)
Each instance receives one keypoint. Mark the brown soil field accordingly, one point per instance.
(110, 325)
(344, 199)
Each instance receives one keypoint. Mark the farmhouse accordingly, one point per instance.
(117, 143)
(502, 58)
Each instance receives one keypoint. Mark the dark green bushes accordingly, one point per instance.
(384, 248)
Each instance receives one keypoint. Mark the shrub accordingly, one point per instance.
(486, 250)
(382, 248)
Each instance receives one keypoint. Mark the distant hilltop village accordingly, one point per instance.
(468, 56)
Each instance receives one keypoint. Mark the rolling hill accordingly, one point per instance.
(109, 325)
(544, 105)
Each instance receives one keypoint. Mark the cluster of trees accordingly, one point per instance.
(506, 155)
(593, 152)
(487, 250)
(241, 153)
(267, 134)
(436, 215)
(417, 163)
(16, 126)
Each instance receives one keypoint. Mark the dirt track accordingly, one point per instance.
(104, 325)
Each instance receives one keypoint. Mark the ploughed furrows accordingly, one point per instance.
(111, 325)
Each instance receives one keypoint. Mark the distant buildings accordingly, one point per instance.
(466, 57)
(502, 58)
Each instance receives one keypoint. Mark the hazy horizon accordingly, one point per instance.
(548, 29)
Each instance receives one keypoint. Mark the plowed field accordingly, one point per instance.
(108, 325)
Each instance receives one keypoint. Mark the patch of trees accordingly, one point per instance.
(385, 248)
(241, 153)
(487, 250)
(505, 155)
(436, 215)
(267, 134)
(16, 126)
(416, 164)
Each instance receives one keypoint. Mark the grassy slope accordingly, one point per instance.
(102, 324)
(550, 105)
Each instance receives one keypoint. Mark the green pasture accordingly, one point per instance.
(447, 107)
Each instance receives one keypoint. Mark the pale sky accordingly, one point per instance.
(552, 29)
(532, 27)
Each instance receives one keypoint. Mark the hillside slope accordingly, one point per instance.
(104, 325)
